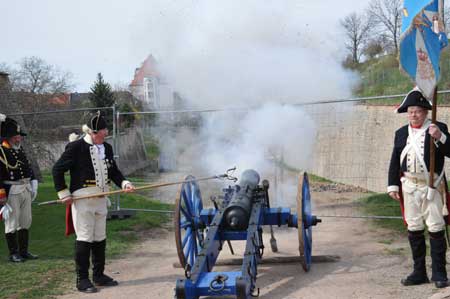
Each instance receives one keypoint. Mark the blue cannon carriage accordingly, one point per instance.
(200, 234)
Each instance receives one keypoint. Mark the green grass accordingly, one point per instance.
(54, 272)
(396, 251)
(311, 177)
(318, 179)
(382, 76)
(382, 204)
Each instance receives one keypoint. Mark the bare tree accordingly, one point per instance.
(372, 49)
(36, 76)
(387, 16)
(377, 45)
(357, 28)
(5, 68)
(121, 86)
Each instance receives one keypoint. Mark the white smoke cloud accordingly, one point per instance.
(236, 53)
(255, 139)
(248, 54)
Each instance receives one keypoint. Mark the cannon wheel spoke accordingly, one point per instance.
(188, 233)
(303, 215)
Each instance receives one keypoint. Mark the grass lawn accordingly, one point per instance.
(382, 205)
(54, 271)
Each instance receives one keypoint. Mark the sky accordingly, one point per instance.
(114, 37)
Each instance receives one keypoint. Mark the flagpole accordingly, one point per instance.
(432, 145)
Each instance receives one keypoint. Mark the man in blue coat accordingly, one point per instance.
(422, 206)
(90, 162)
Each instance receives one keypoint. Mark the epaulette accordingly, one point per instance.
(3, 159)
(6, 144)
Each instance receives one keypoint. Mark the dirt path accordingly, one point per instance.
(371, 264)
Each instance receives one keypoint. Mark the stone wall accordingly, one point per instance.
(131, 151)
(354, 143)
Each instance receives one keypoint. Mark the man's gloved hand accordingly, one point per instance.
(34, 189)
(5, 211)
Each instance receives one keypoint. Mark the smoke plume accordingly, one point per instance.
(263, 55)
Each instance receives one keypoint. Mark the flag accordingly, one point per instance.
(421, 41)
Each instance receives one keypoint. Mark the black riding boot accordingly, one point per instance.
(438, 249)
(98, 263)
(11, 240)
(82, 255)
(23, 245)
(419, 250)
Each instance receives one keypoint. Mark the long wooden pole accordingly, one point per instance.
(150, 186)
(432, 146)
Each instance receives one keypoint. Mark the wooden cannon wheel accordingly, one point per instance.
(303, 218)
(189, 232)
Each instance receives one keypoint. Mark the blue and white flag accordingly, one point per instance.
(421, 40)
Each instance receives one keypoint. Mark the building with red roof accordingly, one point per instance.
(146, 83)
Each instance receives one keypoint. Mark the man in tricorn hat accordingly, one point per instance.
(18, 188)
(408, 183)
(90, 161)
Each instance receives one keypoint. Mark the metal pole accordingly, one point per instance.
(281, 166)
(153, 211)
(114, 129)
(432, 147)
(360, 217)
(116, 150)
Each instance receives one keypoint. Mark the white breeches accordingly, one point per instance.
(89, 216)
(420, 210)
(20, 216)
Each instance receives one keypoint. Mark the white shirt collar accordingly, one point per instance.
(88, 139)
(100, 147)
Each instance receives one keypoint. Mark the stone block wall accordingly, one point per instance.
(354, 142)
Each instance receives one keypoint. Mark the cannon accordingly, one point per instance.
(243, 211)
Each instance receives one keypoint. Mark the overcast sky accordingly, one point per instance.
(113, 37)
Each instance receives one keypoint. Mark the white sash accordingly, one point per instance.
(413, 144)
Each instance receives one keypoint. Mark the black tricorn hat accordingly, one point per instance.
(10, 128)
(414, 98)
(97, 123)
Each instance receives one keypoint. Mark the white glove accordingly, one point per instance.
(127, 186)
(34, 189)
(5, 211)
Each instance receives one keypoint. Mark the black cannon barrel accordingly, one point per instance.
(237, 213)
